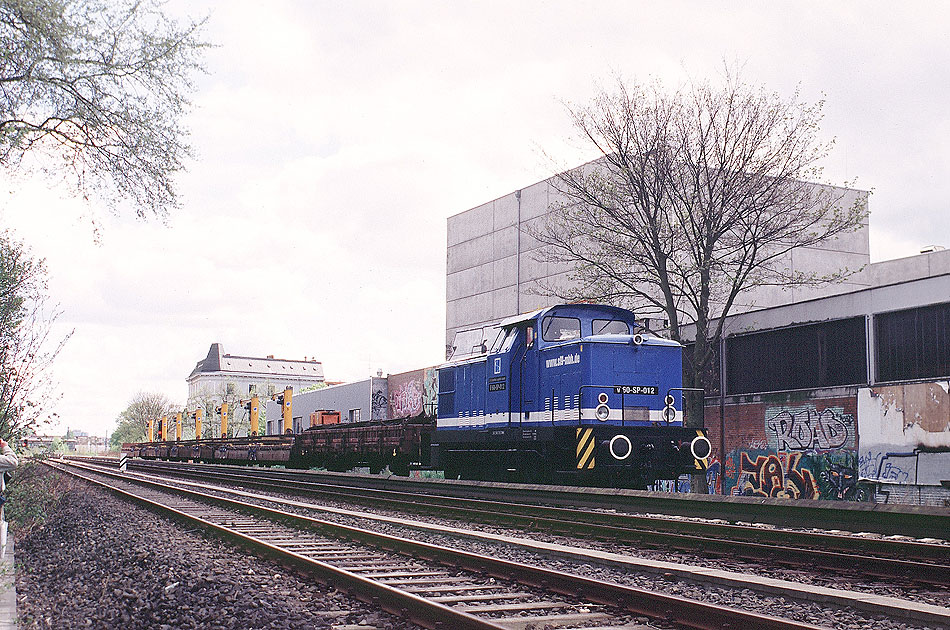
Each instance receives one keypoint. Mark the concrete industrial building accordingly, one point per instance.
(833, 392)
(493, 269)
(217, 372)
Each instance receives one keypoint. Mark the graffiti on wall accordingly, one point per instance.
(805, 428)
(793, 475)
(413, 394)
(681, 484)
(809, 450)
(406, 394)
(905, 433)
(881, 466)
(380, 408)
(430, 396)
(777, 477)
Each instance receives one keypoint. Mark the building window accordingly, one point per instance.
(252, 389)
(354, 415)
(828, 354)
(913, 343)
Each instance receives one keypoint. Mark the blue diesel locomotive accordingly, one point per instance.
(569, 393)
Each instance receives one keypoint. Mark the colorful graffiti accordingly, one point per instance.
(805, 428)
(430, 399)
(405, 394)
(413, 393)
(772, 476)
(795, 475)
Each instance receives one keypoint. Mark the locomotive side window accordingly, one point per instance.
(610, 327)
(506, 339)
(498, 342)
(560, 328)
(447, 392)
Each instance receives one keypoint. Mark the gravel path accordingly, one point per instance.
(98, 562)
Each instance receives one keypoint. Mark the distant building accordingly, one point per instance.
(219, 373)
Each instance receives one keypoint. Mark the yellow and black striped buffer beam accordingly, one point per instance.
(585, 448)
(701, 464)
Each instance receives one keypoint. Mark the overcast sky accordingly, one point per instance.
(333, 139)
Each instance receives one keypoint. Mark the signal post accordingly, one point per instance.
(285, 400)
(223, 411)
(197, 417)
(252, 406)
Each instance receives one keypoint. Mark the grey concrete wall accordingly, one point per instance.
(494, 271)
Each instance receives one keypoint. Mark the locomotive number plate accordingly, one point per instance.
(496, 384)
(643, 390)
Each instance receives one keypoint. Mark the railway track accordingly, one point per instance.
(434, 586)
(623, 566)
(913, 561)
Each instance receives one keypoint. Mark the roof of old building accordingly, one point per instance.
(217, 361)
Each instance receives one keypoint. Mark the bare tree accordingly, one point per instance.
(698, 197)
(26, 351)
(94, 92)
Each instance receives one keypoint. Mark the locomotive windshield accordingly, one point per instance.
(555, 328)
(610, 327)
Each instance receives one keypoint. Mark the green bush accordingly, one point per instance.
(31, 495)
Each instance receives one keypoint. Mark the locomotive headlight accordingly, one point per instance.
(620, 447)
(602, 412)
(700, 447)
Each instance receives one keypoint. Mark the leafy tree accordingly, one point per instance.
(94, 91)
(26, 320)
(132, 423)
(698, 197)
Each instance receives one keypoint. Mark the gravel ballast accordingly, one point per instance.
(99, 562)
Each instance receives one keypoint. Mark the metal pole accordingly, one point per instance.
(722, 414)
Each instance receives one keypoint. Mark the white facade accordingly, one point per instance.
(247, 376)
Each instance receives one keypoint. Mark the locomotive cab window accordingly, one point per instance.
(498, 342)
(504, 341)
(555, 328)
(610, 327)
